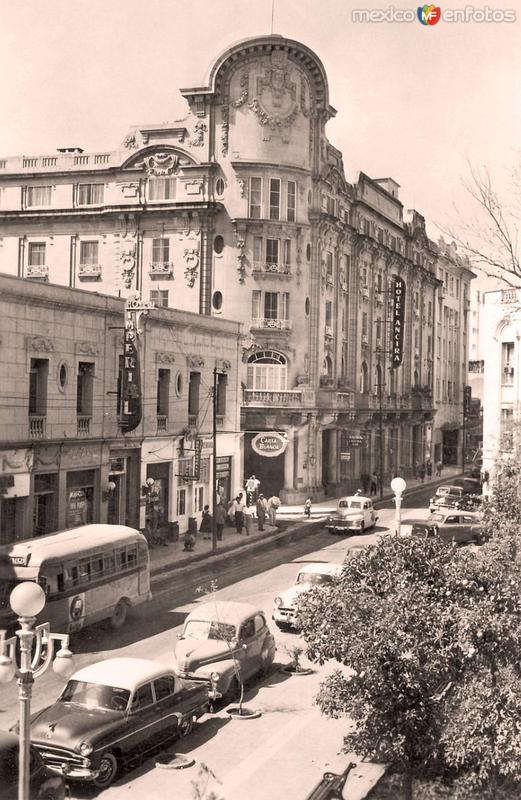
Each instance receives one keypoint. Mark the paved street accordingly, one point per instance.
(287, 703)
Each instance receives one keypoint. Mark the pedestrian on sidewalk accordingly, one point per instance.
(238, 513)
(439, 467)
(428, 469)
(273, 504)
(365, 480)
(421, 472)
(262, 510)
(307, 508)
(206, 523)
(189, 540)
(248, 519)
(252, 488)
(220, 519)
(374, 483)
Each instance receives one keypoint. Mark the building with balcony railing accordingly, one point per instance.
(242, 211)
(61, 442)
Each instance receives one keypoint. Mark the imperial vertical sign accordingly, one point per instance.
(397, 320)
(131, 398)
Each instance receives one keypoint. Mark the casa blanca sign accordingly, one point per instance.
(269, 444)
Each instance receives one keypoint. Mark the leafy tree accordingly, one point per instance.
(424, 631)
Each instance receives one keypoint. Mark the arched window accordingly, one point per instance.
(267, 370)
(328, 367)
(416, 378)
(378, 379)
(364, 378)
(392, 381)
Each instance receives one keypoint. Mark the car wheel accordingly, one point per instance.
(186, 726)
(282, 626)
(119, 615)
(362, 528)
(108, 769)
(265, 663)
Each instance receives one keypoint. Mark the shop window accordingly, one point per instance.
(38, 386)
(45, 506)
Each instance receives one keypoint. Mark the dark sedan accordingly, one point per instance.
(112, 711)
(43, 783)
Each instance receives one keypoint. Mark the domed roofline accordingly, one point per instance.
(262, 45)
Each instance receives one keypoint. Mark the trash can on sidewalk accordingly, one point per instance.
(192, 525)
(172, 532)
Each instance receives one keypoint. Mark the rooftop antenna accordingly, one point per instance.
(272, 14)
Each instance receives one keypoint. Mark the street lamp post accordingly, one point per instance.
(27, 600)
(398, 486)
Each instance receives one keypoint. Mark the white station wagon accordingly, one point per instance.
(309, 576)
(355, 513)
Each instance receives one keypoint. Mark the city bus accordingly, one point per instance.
(89, 573)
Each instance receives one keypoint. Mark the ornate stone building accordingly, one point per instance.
(242, 210)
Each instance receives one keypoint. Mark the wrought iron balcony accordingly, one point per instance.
(89, 271)
(272, 324)
(161, 268)
(38, 271)
(162, 421)
(266, 267)
(267, 397)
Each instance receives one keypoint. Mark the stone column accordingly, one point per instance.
(288, 461)
(333, 466)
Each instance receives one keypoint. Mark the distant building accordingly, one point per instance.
(501, 335)
(453, 319)
(64, 460)
(241, 210)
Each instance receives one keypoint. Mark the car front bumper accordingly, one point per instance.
(284, 615)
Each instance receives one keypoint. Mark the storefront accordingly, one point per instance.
(223, 479)
(79, 498)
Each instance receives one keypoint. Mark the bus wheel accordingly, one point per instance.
(119, 615)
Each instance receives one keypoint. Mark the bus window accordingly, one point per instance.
(108, 563)
(72, 576)
(97, 565)
(121, 558)
(132, 557)
(84, 570)
(60, 582)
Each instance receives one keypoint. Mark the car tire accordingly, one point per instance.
(109, 768)
(186, 727)
(362, 528)
(119, 615)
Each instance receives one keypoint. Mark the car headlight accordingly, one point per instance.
(278, 601)
(214, 677)
(85, 748)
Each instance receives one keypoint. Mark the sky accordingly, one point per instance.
(417, 103)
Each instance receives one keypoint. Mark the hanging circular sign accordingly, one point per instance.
(269, 444)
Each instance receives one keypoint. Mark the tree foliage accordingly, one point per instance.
(429, 642)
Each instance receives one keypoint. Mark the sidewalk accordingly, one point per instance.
(172, 557)
(327, 506)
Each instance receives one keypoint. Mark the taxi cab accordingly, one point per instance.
(354, 514)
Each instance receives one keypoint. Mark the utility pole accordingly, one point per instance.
(381, 431)
(214, 458)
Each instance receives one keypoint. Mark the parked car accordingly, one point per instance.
(354, 513)
(452, 496)
(469, 484)
(309, 576)
(44, 784)
(461, 527)
(111, 711)
(219, 637)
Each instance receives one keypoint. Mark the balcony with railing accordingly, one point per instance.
(83, 425)
(193, 420)
(162, 422)
(266, 268)
(282, 398)
(37, 272)
(37, 426)
(89, 271)
(421, 397)
(161, 269)
(271, 324)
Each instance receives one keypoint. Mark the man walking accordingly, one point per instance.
(220, 519)
(273, 504)
(374, 483)
(262, 508)
(252, 487)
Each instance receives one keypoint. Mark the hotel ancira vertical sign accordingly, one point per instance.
(131, 391)
(397, 320)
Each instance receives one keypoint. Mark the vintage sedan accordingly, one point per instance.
(310, 575)
(447, 496)
(354, 514)
(112, 711)
(451, 525)
(220, 638)
(44, 784)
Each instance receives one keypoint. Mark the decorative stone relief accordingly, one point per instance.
(86, 349)
(129, 189)
(191, 255)
(193, 360)
(40, 344)
(161, 163)
(223, 364)
(244, 91)
(225, 128)
(242, 186)
(130, 142)
(128, 261)
(165, 358)
(200, 129)
(194, 187)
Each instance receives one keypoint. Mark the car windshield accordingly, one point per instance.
(314, 577)
(95, 695)
(350, 504)
(209, 629)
